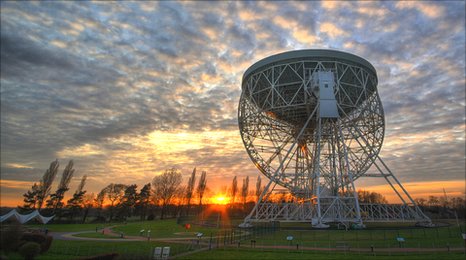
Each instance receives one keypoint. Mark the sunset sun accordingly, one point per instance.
(220, 200)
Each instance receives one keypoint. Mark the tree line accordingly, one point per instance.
(165, 196)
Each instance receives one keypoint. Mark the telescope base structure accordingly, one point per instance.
(338, 212)
(312, 122)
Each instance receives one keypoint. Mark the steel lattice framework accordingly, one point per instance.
(312, 122)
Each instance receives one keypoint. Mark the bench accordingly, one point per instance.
(165, 252)
(157, 253)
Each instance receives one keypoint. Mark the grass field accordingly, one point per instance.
(163, 228)
(256, 254)
(62, 250)
(71, 227)
(380, 236)
(414, 237)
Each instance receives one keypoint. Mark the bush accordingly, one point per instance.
(151, 217)
(29, 250)
(10, 237)
(43, 240)
(44, 247)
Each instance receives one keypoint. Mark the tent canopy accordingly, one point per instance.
(25, 218)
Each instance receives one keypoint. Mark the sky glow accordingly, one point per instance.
(130, 89)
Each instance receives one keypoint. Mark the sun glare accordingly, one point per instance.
(221, 200)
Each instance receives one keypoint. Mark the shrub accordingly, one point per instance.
(10, 237)
(44, 247)
(43, 240)
(29, 250)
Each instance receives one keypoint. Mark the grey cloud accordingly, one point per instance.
(91, 91)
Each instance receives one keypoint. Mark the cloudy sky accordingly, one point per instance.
(129, 89)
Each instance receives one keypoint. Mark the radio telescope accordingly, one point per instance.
(312, 122)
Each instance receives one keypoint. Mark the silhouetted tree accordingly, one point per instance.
(99, 202)
(179, 199)
(259, 187)
(30, 198)
(144, 199)
(46, 183)
(165, 187)
(233, 190)
(75, 204)
(55, 201)
(433, 201)
(420, 201)
(201, 187)
(128, 201)
(371, 197)
(458, 203)
(190, 190)
(114, 194)
(88, 200)
(245, 190)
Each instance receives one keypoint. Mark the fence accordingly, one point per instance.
(272, 237)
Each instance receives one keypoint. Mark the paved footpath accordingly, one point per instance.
(116, 237)
(107, 231)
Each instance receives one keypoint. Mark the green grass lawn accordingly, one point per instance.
(377, 235)
(255, 254)
(163, 229)
(62, 249)
(414, 237)
(70, 227)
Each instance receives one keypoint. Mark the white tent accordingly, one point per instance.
(25, 218)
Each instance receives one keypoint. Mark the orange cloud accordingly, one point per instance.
(83, 150)
(430, 10)
(332, 30)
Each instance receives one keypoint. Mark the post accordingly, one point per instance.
(210, 241)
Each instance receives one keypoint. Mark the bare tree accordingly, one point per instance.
(201, 186)
(190, 190)
(55, 201)
(165, 186)
(245, 190)
(433, 201)
(371, 197)
(259, 187)
(420, 201)
(234, 190)
(46, 183)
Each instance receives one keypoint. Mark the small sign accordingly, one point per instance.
(289, 238)
(187, 226)
(199, 234)
(400, 239)
(464, 236)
